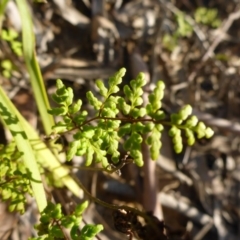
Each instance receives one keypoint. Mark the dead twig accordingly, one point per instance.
(71, 14)
(203, 231)
(184, 208)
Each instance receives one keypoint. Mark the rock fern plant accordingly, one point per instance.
(119, 121)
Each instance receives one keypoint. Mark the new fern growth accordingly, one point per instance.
(121, 121)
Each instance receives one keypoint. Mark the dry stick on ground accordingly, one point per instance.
(203, 231)
(223, 232)
(71, 14)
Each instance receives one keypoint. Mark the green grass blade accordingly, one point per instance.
(33, 66)
(50, 162)
(3, 4)
(15, 125)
